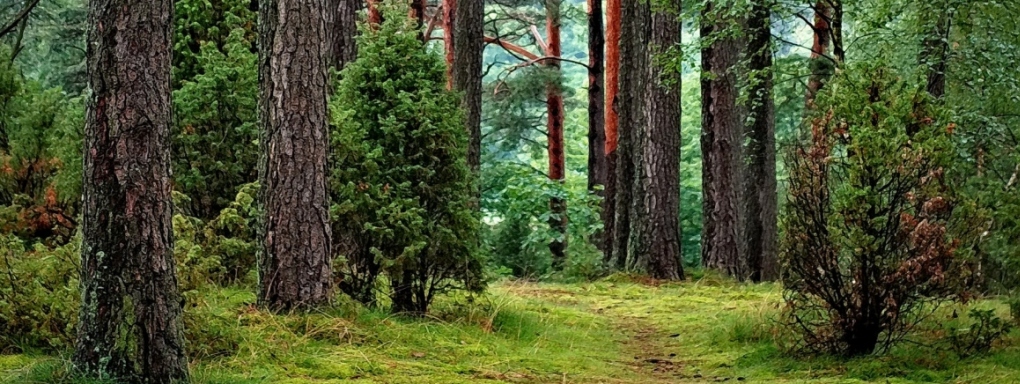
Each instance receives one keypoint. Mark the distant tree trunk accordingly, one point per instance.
(557, 159)
(596, 102)
(613, 26)
(294, 238)
(720, 147)
(418, 12)
(760, 196)
(375, 16)
(935, 47)
(661, 144)
(630, 103)
(838, 50)
(341, 24)
(449, 22)
(468, 44)
(130, 318)
(821, 64)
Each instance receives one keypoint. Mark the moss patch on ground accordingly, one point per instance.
(618, 330)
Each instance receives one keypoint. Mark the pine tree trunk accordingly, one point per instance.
(596, 102)
(612, 81)
(630, 103)
(130, 317)
(821, 65)
(557, 160)
(760, 196)
(449, 35)
(468, 43)
(935, 47)
(295, 239)
(720, 147)
(341, 23)
(661, 145)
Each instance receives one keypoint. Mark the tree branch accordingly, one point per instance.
(17, 19)
(511, 47)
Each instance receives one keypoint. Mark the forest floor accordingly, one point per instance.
(619, 330)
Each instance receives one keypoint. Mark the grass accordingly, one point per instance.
(618, 330)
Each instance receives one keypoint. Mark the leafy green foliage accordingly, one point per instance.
(52, 47)
(40, 157)
(198, 24)
(984, 94)
(220, 251)
(38, 295)
(214, 148)
(519, 197)
(979, 337)
(400, 182)
(867, 242)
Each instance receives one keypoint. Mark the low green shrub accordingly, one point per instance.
(220, 251)
(38, 295)
(985, 330)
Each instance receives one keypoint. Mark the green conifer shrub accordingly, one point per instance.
(401, 188)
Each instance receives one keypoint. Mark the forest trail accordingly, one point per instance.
(663, 331)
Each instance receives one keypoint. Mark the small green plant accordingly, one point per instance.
(1014, 307)
(38, 295)
(981, 335)
(220, 251)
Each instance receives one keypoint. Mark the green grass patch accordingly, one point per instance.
(623, 329)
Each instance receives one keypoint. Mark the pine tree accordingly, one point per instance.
(596, 101)
(130, 318)
(555, 114)
(612, 81)
(400, 172)
(295, 236)
(659, 253)
(760, 196)
(720, 144)
(468, 43)
(630, 104)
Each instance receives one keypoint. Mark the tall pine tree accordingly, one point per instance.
(130, 318)
(294, 236)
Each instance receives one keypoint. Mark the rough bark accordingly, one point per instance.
(557, 158)
(613, 26)
(295, 238)
(760, 196)
(130, 318)
(821, 64)
(468, 43)
(596, 101)
(19, 21)
(661, 159)
(630, 102)
(341, 24)
(720, 146)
